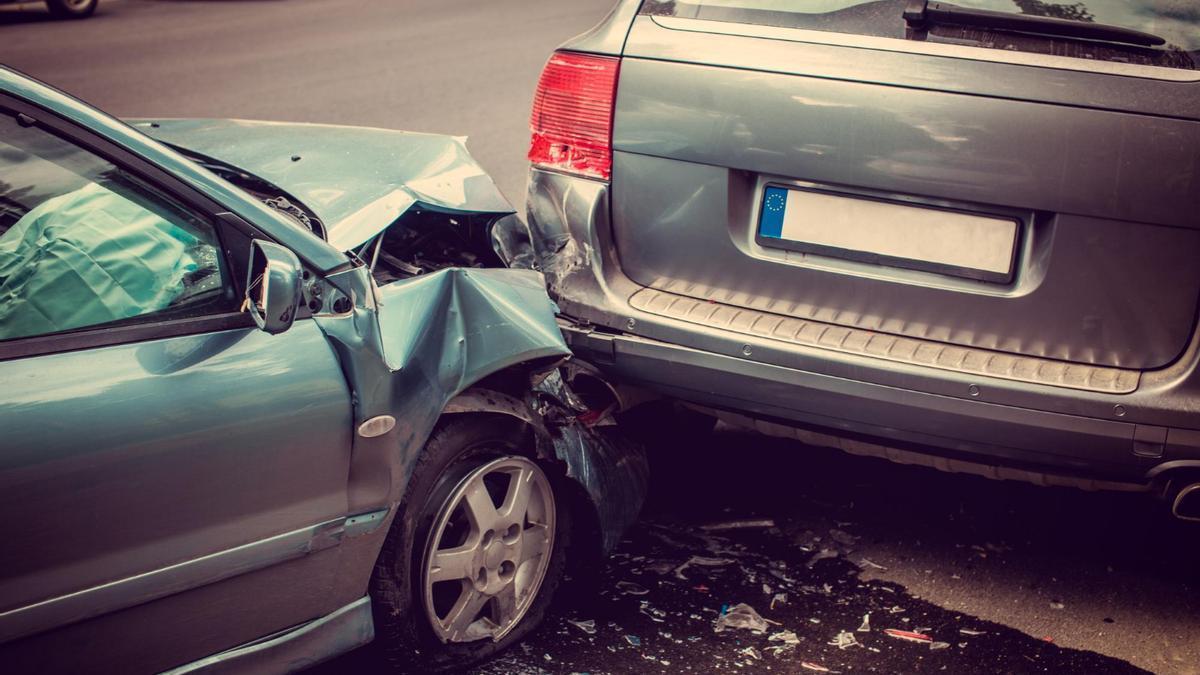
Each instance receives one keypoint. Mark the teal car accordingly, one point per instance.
(269, 392)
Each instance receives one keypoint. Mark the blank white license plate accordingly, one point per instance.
(963, 244)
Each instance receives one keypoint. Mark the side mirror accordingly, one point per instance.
(272, 286)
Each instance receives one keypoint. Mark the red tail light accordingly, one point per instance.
(572, 114)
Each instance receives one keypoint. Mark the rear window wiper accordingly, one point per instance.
(921, 13)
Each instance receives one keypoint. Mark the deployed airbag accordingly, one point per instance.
(88, 257)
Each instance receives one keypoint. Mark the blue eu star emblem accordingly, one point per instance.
(775, 202)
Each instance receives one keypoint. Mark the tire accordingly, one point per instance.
(461, 453)
(72, 9)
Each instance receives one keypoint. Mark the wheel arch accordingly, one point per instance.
(606, 472)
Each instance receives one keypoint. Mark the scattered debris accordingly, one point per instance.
(814, 620)
(787, 637)
(751, 652)
(844, 640)
(911, 636)
(630, 588)
(896, 609)
(843, 538)
(1055, 604)
(782, 599)
(588, 626)
(867, 562)
(815, 667)
(738, 524)
(656, 615)
(633, 640)
(767, 590)
(660, 567)
(823, 554)
(742, 615)
(703, 561)
(968, 631)
(866, 623)
(938, 645)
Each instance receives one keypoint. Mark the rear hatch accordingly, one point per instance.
(1028, 194)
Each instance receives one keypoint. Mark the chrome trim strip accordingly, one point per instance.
(927, 48)
(809, 333)
(305, 646)
(140, 588)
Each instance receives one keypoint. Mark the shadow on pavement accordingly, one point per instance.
(814, 572)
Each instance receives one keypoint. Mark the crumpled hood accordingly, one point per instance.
(356, 179)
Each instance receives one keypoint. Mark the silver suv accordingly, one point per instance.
(965, 236)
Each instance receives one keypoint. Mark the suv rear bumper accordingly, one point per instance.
(1125, 437)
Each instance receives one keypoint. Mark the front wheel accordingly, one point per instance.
(72, 9)
(475, 553)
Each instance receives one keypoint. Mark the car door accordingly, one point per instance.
(169, 475)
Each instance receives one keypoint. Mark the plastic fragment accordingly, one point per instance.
(938, 645)
(744, 524)
(910, 636)
(787, 637)
(1055, 604)
(867, 562)
(844, 640)
(633, 640)
(703, 561)
(656, 615)
(968, 631)
(630, 588)
(866, 623)
(744, 616)
(815, 667)
(823, 554)
(780, 598)
(588, 626)
(751, 652)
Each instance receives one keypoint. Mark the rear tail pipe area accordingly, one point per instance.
(1185, 501)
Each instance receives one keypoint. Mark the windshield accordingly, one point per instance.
(1176, 21)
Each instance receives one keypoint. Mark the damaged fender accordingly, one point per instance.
(409, 347)
(611, 469)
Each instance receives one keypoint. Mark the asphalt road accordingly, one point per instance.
(1042, 580)
(461, 67)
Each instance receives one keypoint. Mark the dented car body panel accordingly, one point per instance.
(219, 468)
(358, 180)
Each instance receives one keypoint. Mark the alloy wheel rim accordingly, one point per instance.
(488, 551)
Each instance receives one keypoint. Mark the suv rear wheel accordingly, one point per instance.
(476, 552)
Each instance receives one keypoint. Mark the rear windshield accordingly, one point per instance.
(1176, 21)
